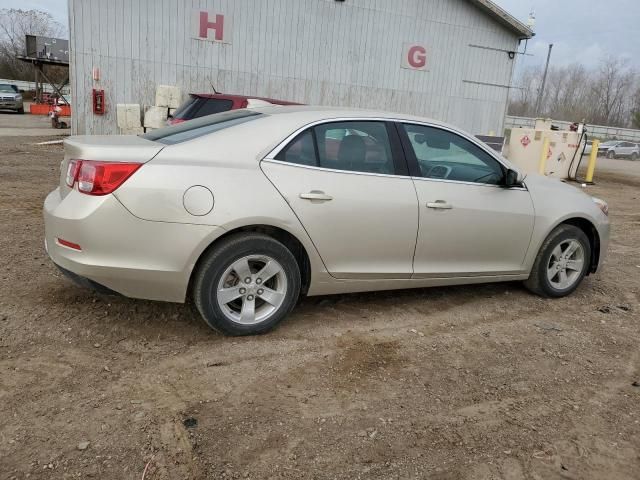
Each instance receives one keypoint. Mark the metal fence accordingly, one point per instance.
(31, 86)
(595, 131)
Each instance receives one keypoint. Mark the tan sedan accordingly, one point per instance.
(243, 211)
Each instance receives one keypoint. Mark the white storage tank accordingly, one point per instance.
(524, 147)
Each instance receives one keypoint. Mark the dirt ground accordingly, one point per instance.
(481, 382)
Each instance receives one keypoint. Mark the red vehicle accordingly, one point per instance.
(201, 104)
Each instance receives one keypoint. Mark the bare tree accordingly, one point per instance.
(604, 95)
(15, 24)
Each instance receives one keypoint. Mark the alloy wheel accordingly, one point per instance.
(252, 289)
(565, 264)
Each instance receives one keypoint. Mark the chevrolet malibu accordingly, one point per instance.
(242, 212)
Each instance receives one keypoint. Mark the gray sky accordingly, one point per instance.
(57, 8)
(580, 30)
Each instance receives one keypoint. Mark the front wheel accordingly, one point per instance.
(634, 156)
(561, 264)
(611, 154)
(247, 284)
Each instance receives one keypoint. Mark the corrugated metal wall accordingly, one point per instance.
(310, 51)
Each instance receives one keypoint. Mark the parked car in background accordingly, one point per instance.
(201, 104)
(11, 98)
(619, 149)
(245, 210)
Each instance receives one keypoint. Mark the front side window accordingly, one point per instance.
(445, 155)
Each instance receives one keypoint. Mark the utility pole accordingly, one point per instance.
(544, 82)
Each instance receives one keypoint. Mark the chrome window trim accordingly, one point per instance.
(476, 184)
(270, 157)
(333, 170)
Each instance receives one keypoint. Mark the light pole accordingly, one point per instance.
(544, 82)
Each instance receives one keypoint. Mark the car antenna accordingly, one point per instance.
(213, 88)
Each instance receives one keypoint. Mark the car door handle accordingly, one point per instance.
(316, 195)
(440, 204)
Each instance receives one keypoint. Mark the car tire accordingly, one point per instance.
(634, 156)
(611, 154)
(224, 273)
(542, 280)
(21, 111)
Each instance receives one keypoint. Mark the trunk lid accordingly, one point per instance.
(108, 148)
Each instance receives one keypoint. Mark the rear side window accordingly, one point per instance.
(355, 146)
(183, 132)
(300, 151)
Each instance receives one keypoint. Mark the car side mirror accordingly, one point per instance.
(511, 179)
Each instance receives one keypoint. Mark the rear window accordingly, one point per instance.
(211, 105)
(196, 107)
(187, 109)
(183, 132)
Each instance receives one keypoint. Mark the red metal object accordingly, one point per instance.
(43, 109)
(98, 102)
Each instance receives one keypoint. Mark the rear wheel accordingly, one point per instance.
(634, 156)
(561, 264)
(247, 284)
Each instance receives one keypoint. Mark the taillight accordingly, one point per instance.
(99, 178)
(72, 172)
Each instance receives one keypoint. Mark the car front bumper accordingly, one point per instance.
(120, 252)
(11, 104)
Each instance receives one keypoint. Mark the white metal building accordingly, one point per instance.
(451, 60)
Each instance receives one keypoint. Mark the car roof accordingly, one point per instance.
(225, 96)
(309, 114)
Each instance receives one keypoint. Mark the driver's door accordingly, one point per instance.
(469, 224)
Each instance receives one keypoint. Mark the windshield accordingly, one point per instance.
(6, 88)
(183, 132)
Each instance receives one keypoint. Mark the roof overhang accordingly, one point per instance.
(42, 60)
(504, 17)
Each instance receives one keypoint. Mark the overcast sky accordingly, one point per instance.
(580, 31)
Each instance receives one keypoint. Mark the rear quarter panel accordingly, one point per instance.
(227, 165)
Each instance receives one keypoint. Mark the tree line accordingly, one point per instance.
(15, 25)
(608, 94)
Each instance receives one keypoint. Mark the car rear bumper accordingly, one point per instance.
(120, 252)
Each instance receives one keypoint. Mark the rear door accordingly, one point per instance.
(347, 183)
